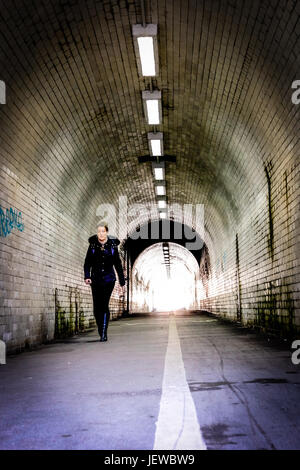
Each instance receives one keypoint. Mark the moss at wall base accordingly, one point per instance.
(275, 312)
(70, 318)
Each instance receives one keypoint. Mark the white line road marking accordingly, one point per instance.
(141, 323)
(183, 320)
(177, 426)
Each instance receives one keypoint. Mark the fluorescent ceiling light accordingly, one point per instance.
(160, 190)
(162, 204)
(152, 111)
(156, 143)
(146, 51)
(155, 148)
(158, 168)
(159, 173)
(145, 44)
(152, 100)
(162, 215)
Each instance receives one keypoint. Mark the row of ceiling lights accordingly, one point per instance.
(166, 253)
(145, 43)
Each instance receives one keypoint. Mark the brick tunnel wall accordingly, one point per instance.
(255, 275)
(73, 310)
(139, 294)
(42, 252)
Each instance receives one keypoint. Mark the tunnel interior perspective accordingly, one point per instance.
(75, 145)
(192, 161)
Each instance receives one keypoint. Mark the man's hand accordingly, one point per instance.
(88, 281)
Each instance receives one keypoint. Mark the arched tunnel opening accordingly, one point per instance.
(164, 274)
(189, 151)
(164, 279)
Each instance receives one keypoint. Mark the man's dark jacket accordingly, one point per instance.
(98, 264)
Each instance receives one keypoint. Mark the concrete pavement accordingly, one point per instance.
(238, 390)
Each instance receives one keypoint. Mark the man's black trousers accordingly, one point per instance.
(101, 295)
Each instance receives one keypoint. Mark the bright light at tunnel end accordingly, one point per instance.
(172, 289)
(122, 221)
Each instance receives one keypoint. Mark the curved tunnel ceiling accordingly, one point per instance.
(75, 101)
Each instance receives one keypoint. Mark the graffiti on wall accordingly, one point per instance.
(9, 220)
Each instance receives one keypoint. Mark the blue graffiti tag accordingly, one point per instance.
(9, 220)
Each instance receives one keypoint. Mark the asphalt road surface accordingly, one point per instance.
(159, 382)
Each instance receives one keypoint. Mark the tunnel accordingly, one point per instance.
(164, 280)
(189, 152)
